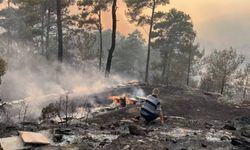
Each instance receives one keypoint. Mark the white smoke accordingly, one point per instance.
(32, 78)
(138, 92)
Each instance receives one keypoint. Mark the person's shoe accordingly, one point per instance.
(138, 117)
(153, 122)
(146, 123)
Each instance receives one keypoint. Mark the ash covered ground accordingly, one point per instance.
(193, 120)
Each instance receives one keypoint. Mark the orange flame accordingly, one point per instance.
(117, 100)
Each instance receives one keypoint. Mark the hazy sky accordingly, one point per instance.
(218, 23)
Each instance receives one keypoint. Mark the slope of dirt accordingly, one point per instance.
(189, 103)
(194, 120)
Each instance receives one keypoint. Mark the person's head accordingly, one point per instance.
(156, 91)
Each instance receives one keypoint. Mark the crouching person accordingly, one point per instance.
(151, 108)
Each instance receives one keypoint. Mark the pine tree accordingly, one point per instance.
(136, 13)
(90, 18)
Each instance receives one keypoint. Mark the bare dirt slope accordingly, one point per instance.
(195, 120)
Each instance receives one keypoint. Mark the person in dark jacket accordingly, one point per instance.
(151, 108)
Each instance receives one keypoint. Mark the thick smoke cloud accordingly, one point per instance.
(39, 82)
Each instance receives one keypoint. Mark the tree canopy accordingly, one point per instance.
(174, 37)
(220, 66)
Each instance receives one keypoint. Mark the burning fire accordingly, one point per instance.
(118, 100)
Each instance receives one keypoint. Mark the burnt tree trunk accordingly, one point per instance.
(164, 67)
(189, 66)
(163, 74)
(42, 28)
(244, 92)
(168, 69)
(48, 29)
(59, 30)
(100, 34)
(111, 51)
(149, 41)
(223, 85)
(9, 42)
(245, 87)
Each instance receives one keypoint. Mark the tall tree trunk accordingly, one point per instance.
(222, 89)
(111, 51)
(164, 68)
(9, 42)
(245, 87)
(100, 34)
(244, 92)
(223, 85)
(149, 41)
(189, 66)
(42, 34)
(163, 74)
(48, 29)
(168, 69)
(59, 30)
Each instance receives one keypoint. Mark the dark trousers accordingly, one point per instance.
(150, 117)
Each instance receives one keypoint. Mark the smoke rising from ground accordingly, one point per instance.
(31, 77)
